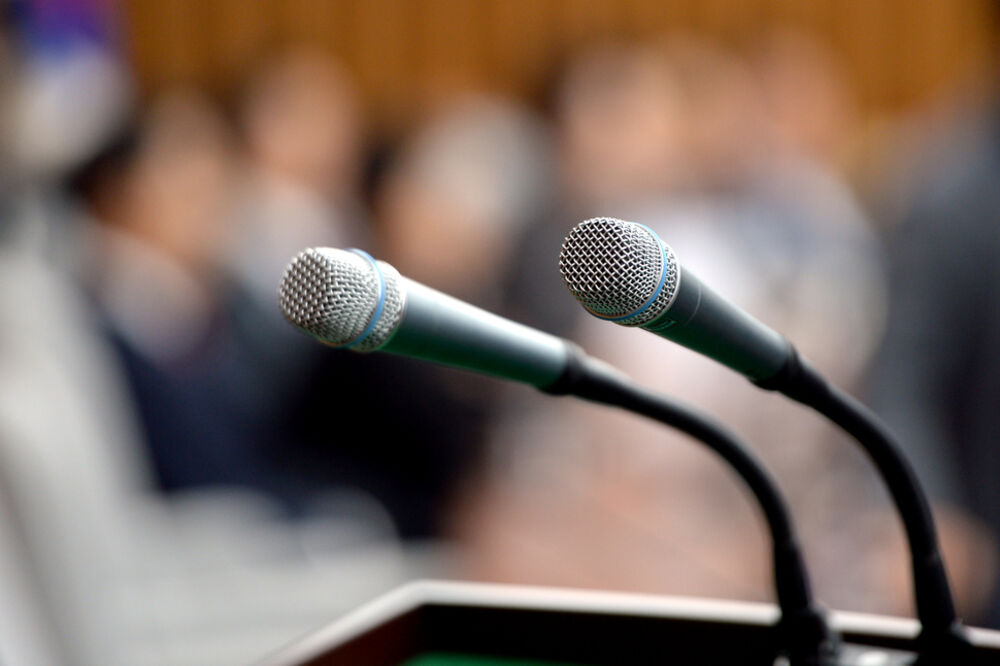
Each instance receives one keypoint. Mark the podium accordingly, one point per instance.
(437, 623)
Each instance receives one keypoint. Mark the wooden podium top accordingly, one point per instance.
(427, 623)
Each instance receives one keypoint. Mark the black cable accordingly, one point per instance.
(942, 632)
(803, 625)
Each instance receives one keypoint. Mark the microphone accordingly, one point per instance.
(622, 272)
(347, 299)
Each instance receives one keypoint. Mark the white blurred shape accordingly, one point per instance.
(63, 109)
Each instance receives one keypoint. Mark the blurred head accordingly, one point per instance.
(168, 181)
(180, 187)
(724, 130)
(301, 121)
(806, 92)
(460, 192)
(620, 125)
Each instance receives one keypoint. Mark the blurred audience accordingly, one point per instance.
(208, 466)
(691, 140)
(126, 369)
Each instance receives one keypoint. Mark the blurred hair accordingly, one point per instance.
(88, 182)
(298, 115)
(380, 161)
(267, 82)
(180, 120)
(185, 119)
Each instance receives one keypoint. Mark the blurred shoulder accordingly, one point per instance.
(953, 160)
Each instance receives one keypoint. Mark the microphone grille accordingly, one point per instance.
(615, 269)
(333, 295)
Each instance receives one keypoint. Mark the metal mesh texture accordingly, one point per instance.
(332, 295)
(613, 268)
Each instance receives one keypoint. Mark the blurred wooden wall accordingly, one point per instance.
(404, 52)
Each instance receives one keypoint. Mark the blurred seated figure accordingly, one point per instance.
(301, 131)
(448, 206)
(161, 203)
(218, 406)
(298, 187)
(613, 141)
(937, 380)
(804, 91)
(295, 187)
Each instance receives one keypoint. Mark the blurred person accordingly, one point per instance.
(302, 136)
(160, 203)
(809, 98)
(619, 126)
(770, 197)
(300, 139)
(615, 136)
(937, 377)
(216, 406)
(461, 192)
(811, 105)
(60, 428)
(200, 374)
(448, 205)
(783, 237)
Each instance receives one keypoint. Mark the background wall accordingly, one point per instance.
(406, 53)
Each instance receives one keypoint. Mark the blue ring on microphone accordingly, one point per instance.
(378, 306)
(659, 287)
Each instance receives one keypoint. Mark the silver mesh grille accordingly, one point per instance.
(613, 268)
(332, 295)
